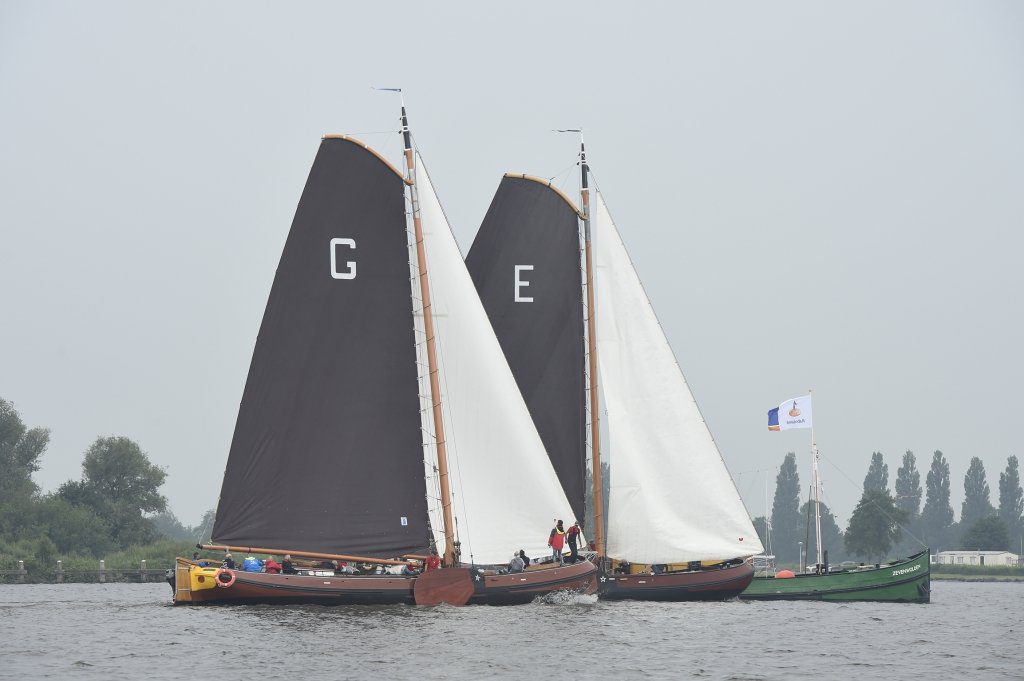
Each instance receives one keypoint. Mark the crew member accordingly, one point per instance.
(573, 537)
(556, 540)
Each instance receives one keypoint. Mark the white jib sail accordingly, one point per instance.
(672, 499)
(506, 493)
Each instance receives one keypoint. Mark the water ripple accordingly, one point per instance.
(124, 631)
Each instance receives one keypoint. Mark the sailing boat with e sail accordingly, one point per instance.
(677, 528)
(371, 379)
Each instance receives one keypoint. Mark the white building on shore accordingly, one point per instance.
(979, 558)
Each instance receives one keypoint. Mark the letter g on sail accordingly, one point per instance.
(351, 264)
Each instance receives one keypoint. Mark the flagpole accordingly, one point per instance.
(817, 493)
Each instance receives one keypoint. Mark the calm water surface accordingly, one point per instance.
(129, 631)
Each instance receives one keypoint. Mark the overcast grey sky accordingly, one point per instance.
(814, 194)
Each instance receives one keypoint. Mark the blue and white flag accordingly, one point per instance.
(794, 413)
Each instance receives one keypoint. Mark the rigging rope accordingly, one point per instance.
(445, 406)
(891, 519)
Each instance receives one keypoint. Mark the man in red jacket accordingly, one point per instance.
(556, 540)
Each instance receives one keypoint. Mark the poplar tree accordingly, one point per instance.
(976, 495)
(1011, 500)
(787, 529)
(831, 535)
(761, 527)
(937, 515)
(908, 486)
(878, 474)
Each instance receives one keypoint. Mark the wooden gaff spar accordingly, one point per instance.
(673, 504)
(341, 445)
(402, 560)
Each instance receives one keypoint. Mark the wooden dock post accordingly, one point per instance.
(21, 572)
(142, 571)
(60, 571)
(103, 571)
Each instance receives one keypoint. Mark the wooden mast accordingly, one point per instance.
(428, 327)
(595, 420)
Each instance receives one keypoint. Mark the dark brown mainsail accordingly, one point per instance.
(327, 453)
(520, 263)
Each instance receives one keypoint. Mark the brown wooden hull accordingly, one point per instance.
(260, 587)
(701, 585)
(457, 586)
(581, 578)
(468, 586)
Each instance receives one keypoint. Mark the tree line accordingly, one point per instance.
(885, 521)
(114, 505)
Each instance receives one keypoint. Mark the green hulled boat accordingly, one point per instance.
(906, 580)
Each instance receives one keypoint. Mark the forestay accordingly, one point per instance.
(672, 499)
(506, 493)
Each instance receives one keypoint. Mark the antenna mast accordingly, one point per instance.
(817, 498)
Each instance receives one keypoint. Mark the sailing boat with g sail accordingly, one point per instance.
(372, 377)
(677, 529)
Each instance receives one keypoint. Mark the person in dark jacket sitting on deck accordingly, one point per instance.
(229, 562)
(287, 567)
(526, 558)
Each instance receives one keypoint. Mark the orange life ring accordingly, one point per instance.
(219, 579)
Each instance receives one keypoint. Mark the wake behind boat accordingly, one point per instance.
(372, 379)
